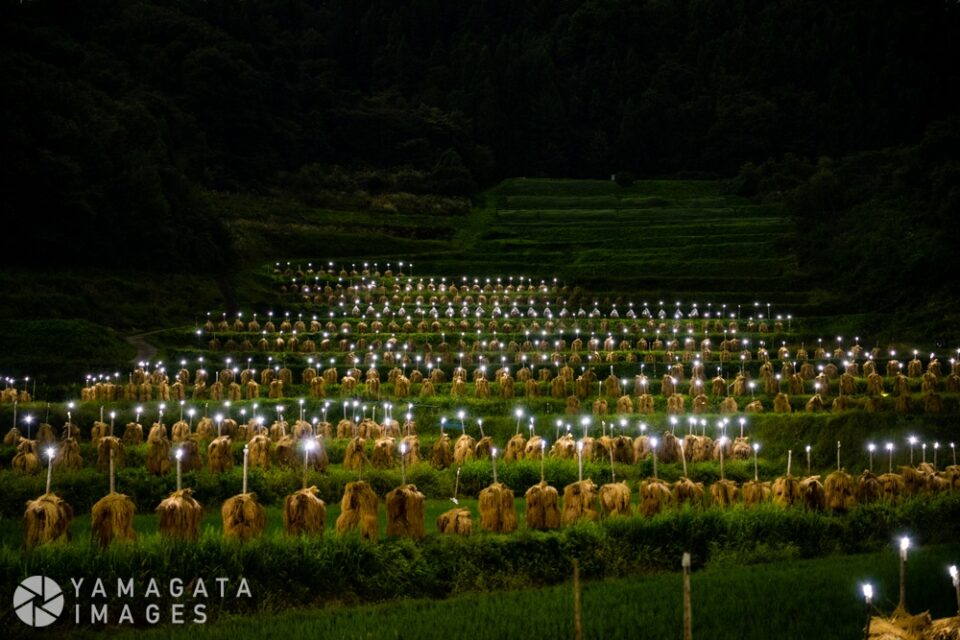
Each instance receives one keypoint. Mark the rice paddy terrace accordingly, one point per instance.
(658, 340)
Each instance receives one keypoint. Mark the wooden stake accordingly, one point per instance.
(687, 605)
(577, 622)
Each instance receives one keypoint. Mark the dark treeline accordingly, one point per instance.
(117, 111)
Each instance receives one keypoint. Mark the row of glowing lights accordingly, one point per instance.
(867, 588)
(519, 413)
(523, 357)
(514, 312)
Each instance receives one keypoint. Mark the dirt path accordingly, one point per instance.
(145, 350)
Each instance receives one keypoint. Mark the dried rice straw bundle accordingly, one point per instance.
(358, 510)
(354, 457)
(839, 492)
(456, 521)
(68, 456)
(107, 446)
(655, 495)
(565, 448)
(497, 511)
(112, 515)
(756, 492)
(47, 519)
(484, 448)
(543, 510)
(892, 487)
(515, 448)
(219, 455)
(260, 446)
(243, 517)
(26, 461)
(304, 513)
(181, 430)
(724, 492)
(180, 515)
(441, 454)
(405, 512)
(686, 491)
(812, 493)
(615, 499)
(383, 453)
(579, 502)
(464, 449)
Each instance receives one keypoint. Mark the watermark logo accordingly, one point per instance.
(38, 601)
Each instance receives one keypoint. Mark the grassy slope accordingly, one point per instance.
(786, 599)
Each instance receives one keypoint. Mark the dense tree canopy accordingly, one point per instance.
(118, 110)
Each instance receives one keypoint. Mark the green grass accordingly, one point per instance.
(793, 599)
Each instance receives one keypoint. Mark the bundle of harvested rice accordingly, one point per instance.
(411, 445)
(729, 405)
(286, 451)
(698, 448)
(641, 448)
(686, 491)
(259, 448)
(383, 453)
(645, 404)
(441, 454)
(464, 449)
(12, 437)
(98, 430)
(181, 431)
(622, 449)
(515, 448)
(599, 407)
(345, 428)
(891, 487)
(580, 502)
(219, 455)
(754, 407)
(543, 510)
(112, 516)
(26, 461)
(565, 448)
(405, 512)
(180, 515)
(724, 492)
(786, 491)
(814, 404)
(157, 432)
(484, 448)
(304, 513)
(741, 449)
(533, 450)
(675, 404)
(812, 493)
(358, 510)
(781, 404)
(158, 457)
(756, 492)
(456, 521)
(106, 446)
(47, 519)
(615, 499)
(655, 495)
(243, 516)
(354, 456)
(669, 450)
(45, 435)
(206, 429)
(497, 511)
(869, 488)
(68, 456)
(278, 430)
(839, 492)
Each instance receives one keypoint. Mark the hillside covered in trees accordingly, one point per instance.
(122, 113)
